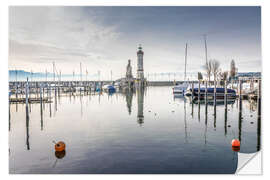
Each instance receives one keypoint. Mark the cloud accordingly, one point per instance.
(104, 38)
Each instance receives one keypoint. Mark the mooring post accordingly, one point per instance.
(40, 91)
(259, 98)
(215, 92)
(26, 94)
(225, 95)
(36, 89)
(192, 86)
(41, 108)
(16, 91)
(199, 91)
(50, 91)
(240, 94)
(259, 117)
(205, 91)
(58, 88)
(205, 99)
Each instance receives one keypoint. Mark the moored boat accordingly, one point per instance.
(109, 88)
(220, 93)
(181, 88)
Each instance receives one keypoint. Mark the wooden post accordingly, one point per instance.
(40, 91)
(50, 91)
(199, 91)
(26, 94)
(215, 101)
(225, 95)
(27, 115)
(205, 92)
(16, 91)
(215, 92)
(41, 109)
(192, 86)
(259, 117)
(259, 98)
(240, 94)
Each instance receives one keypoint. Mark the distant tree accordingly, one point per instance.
(233, 70)
(200, 76)
(223, 76)
(215, 64)
(208, 69)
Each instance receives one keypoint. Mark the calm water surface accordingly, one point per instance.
(147, 131)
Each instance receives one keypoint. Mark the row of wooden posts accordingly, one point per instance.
(239, 93)
(206, 83)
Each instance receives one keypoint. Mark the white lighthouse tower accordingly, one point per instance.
(140, 74)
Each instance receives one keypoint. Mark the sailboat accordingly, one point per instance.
(181, 88)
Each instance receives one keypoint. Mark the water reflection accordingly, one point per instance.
(185, 120)
(240, 120)
(129, 97)
(41, 115)
(27, 127)
(225, 118)
(109, 136)
(140, 101)
(9, 116)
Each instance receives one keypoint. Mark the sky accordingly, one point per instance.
(104, 38)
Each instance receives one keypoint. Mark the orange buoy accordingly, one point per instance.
(60, 146)
(235, 143)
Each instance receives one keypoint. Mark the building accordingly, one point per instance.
(140, 73)
(248, 75)
(128, 80)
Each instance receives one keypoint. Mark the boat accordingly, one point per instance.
(181, 88)
(109, 88)
(117, 85)
(188, 91)
(220, 93)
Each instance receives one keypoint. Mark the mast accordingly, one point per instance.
(46, 74)
(205, 46)
(16, 75)
(53, 72)
(81, 70)
(111, 75)
(185, 63)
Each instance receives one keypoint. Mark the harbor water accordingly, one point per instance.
(142, 131)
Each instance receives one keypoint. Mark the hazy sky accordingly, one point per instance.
(104, 38)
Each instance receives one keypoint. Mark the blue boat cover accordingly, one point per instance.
(218, 90)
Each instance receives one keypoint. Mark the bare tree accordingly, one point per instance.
(215, 68)
(200, 76)
(208, 69)
(223, 75)
(233, 69)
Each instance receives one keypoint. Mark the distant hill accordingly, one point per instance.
(22, 75)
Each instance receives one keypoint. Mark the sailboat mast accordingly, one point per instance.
(205, 46)
(185, 63)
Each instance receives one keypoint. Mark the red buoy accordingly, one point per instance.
(235, 143)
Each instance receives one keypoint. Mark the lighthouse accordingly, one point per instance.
(140, 75)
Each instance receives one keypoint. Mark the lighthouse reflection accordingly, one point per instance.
(129, 97)
(140, 102)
